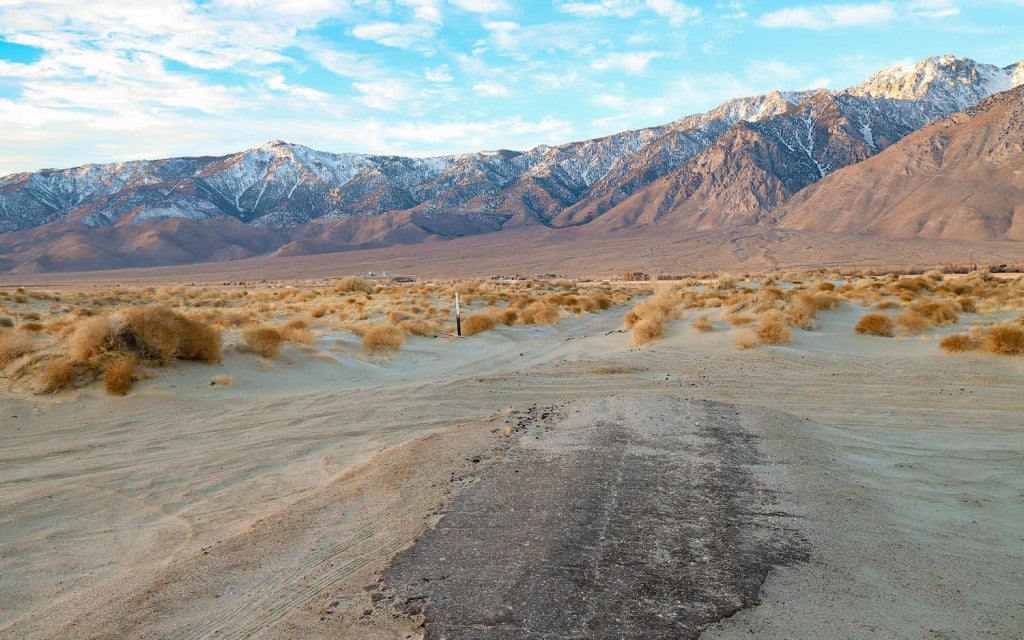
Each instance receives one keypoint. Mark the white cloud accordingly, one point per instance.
(633, 62)
(481, 6)
(603, 9)
(830, 16)
(344, 64)
(676, 12)
(439, 75)
(490, 89)
(503, 33)
(395, 34)
(385, 95)
(933, 9)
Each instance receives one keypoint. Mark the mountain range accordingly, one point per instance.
(931, 150)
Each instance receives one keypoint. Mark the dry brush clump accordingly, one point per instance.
(876, 324)
(355, 284)
(958, 343)
(119, 374)
(264, 341)
(14, 344)
(115, 343)
(745, 339)
(773, 329)
(913, 321)
(1003, 339)
(383, 338)
(703, 324)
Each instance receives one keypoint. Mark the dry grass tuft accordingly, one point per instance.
(418, 327)
(702, 324)
(957, 343)
(383, 337)
(1004, 339)
(477, 323)
(744, 339)
(119, 374)
(222, 380)
(876, 324)
(57, 375)
(353, 284)
(739, 319)
(13, 345)
(539, 313)
(803, 311)
(262, 340)
(940, 312)
(913, 321)
(647, 330)
(774, 329)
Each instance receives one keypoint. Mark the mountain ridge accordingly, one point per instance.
(732, 165)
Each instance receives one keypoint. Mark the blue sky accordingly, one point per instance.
(106, 81)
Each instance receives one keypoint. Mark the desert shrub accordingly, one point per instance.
(262, 340)
(507, 316)
(199, 341)
(418, 327)
(119, 374)
(726, 281)
(774, 329)
(603, 302)
(57, 374)
(222, 380)
(91, 337)
(383, 337)
(744, 339)
(826, 301)
(13, 345)
(739, 319)
(877, 324)
(647, 330)
(712, 302)
(826, 286)
(1006, 339)
(539, 313)
(967, 304)
(957, 342)
(802, 311)
(646, 310)
(477, 323)
(913, 321)
(702, 324)
(940, 312)
(353, 284)
(297, 330)
(6, 322)
(160, 334)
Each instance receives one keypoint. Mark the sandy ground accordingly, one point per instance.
(270, 507)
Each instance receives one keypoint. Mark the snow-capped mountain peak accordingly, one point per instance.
(936, 78)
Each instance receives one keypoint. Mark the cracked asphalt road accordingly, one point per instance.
(619, 517)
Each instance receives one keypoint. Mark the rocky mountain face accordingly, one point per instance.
(730, 166)
(959, 178)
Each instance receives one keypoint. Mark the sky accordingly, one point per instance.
(110, 81)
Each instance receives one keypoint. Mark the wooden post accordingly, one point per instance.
(458, 315)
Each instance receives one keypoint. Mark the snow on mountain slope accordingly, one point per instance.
(773, 145)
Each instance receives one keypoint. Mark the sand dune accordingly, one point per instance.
(266, 508)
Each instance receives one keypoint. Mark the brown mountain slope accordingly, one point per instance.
(961, 177)
(747, 172)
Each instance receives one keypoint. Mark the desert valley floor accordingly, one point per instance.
(530, 481)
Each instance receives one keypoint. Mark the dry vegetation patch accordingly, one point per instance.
(875, 324)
